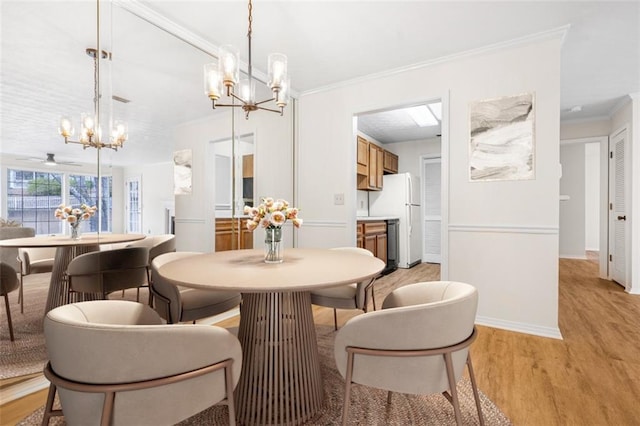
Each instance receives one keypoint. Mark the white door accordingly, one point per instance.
(432, 216)
(618, 254)
(133, 205)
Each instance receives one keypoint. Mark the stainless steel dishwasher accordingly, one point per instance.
(392, 246)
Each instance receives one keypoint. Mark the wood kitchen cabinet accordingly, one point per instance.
(362, 160)
(371, 163)
(390, 163)
(369, 176)
(227, 230)
(247, 166)
(373, 237)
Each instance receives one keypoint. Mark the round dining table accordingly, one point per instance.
(280, 381)
(66, 249)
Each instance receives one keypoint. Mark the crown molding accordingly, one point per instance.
(560, 32)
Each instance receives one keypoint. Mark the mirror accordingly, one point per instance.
(233, 162)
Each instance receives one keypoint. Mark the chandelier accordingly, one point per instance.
(226, 73)
(91, 131)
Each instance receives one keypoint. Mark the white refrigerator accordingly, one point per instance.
(400, 197)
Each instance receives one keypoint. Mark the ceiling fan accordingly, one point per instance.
(50, 161)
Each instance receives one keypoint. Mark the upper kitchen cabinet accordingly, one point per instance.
(363, 157)
(390, 163)
(372, 163)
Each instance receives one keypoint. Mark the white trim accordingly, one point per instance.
(579, 120)
(189, 220)
(552, 332)
(594, 139)
(20, 390)
(634, 277)
(510, 229)
(560, 32)
(444, 183)
(573, 256)
(325, 224)
(620, 104)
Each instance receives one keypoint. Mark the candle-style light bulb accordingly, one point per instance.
(65, 127)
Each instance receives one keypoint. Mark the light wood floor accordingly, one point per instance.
(591, 377)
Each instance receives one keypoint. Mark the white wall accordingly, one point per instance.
(572, 211)
(273, 164)
(409, 153)
(502, 236)
(592, 196)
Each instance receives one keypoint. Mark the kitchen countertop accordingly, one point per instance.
(374, 218)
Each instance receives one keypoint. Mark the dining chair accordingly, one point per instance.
(9, 255)
(348, 296)
(417, 344)
(104, 272)
(176, 304)
(8, 283)
(116, 363)
(157, 245)
(34, 260)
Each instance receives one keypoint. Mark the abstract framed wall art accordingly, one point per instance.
(502, 139)
(182, 172)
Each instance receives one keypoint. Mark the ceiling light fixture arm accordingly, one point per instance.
(226, 74)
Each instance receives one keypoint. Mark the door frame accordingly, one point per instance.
(624, 132)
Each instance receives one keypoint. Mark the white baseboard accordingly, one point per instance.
(552, 332)
(573, 256)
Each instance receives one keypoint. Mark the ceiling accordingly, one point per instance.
(45, 72)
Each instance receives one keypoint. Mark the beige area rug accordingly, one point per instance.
(368, 405)
(27, 353)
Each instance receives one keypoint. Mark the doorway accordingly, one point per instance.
(412, 133)
(619, 242)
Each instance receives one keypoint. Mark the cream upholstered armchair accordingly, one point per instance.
(8, 283)
(178, 304)
(115, 363)
(9, 255)
(104, 272)
(157, 245)
(34, 260)
(417, 344)
(348, 296)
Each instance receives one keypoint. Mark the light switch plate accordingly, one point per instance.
(338, 199)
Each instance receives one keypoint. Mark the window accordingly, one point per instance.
(83, 189)
(133, 206)
(33, 196)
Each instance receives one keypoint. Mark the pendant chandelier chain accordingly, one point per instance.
(249, 32)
